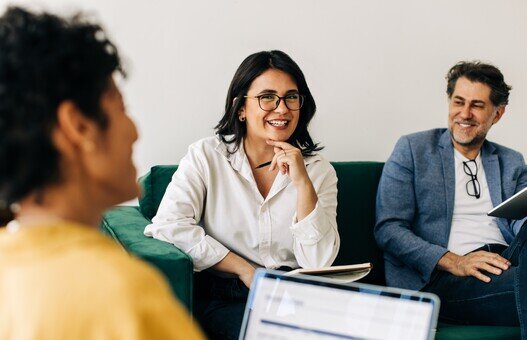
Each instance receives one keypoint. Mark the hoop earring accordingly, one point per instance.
(241, 118)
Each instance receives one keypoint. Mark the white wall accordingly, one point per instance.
(376, 68)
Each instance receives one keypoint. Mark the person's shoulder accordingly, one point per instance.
(110, 261)
(141, 292)
(423, 141)
(317, 159)
(317, 164)
(206, 150)
(100, 256)
(505, 152)
(419, 146)
(426, 137)
(205, 145)
(128, 281)
(87, 278)
(84, 257)
(136, 291)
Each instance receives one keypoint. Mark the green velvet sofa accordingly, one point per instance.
(357, 187)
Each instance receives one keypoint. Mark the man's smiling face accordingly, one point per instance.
(471, 114)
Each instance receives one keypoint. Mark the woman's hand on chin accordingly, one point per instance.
(289, 161)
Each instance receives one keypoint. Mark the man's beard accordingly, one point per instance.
(476, 140)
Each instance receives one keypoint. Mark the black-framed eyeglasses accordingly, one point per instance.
(471, 169)
(270, 102)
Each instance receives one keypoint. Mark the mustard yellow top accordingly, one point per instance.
(67, 281)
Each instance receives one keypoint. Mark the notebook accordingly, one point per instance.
(338, 274)
(307, 307)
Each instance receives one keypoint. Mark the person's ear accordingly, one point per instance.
(241, 115)
(499, 113)
(74, 132)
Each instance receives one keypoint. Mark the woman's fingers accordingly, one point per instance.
(288, 159)
(280, 151)
(280, 145)
(280, 161)
(275, 159)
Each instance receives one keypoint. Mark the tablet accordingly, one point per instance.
(515, 208)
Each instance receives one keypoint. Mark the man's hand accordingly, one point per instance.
(473, 264)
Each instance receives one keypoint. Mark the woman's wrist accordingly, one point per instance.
(244, 268)
(235, 264)
(305, 189)
(306, 200)
(304, 183)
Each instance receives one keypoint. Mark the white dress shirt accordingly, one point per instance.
(471, 227)
(213, 205)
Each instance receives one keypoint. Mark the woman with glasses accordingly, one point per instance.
(255, 195)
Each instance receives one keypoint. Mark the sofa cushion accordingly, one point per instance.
(154, 185)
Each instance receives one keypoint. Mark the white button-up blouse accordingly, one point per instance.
(212, 205)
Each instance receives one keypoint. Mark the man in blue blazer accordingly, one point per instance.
(432, 204)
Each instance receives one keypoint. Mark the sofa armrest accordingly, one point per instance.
(126, 224)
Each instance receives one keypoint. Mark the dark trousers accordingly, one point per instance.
(501, 302)
(219, 305)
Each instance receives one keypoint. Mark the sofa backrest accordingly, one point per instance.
(357, 188)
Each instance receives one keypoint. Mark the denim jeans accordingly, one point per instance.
(501, 302)
(219, 304)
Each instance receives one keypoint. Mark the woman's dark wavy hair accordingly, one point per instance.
(479, 72)
(44, 60)
(252, 67)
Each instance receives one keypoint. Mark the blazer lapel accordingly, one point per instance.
(449, 177)
(492, 172)
(491, 165)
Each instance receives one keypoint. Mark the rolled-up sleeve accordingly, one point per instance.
(177, 219)
(316, 240)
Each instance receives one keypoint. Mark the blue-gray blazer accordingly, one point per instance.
(415, 202)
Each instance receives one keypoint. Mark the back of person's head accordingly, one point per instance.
(479, 72)
(45, 60)
(252, 67)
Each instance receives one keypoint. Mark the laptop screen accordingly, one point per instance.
(301, 307)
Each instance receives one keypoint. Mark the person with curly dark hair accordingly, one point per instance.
(65, 157)
(256, 195)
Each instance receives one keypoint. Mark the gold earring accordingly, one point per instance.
(14, 208)
(241, 118)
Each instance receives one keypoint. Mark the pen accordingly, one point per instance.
(263, 164)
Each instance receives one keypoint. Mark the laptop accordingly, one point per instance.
(308, 307)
